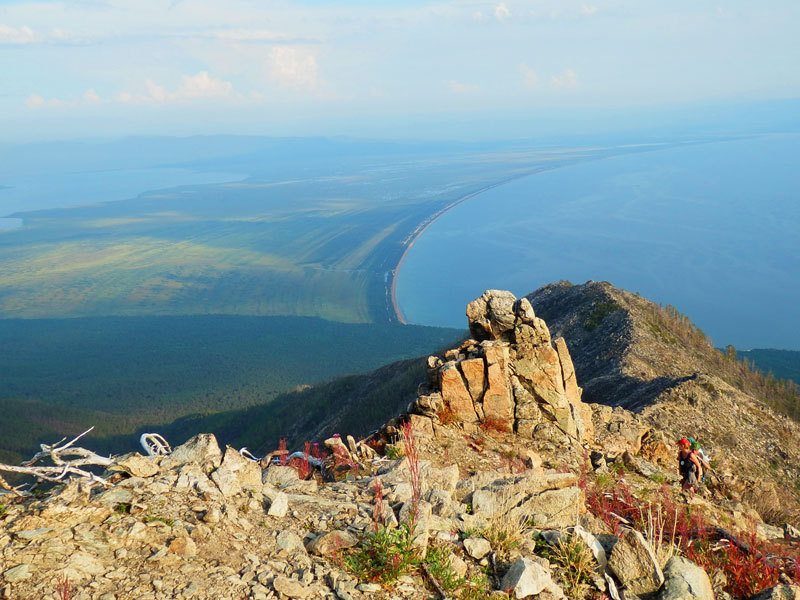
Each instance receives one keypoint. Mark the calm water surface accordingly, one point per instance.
(62, 190)
(710, 229)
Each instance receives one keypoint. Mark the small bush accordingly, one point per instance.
(577, 564)
(383, 555)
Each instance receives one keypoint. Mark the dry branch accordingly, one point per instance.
(67, 460)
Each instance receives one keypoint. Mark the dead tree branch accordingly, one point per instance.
(67, 460)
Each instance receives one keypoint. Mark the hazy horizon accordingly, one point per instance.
(457, 69)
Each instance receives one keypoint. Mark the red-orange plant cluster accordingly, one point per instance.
(748, 567)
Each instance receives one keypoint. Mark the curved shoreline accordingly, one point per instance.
(420, 229)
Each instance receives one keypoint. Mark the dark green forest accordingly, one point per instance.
(122, 374)
(783, 364)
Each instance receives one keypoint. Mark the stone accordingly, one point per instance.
(279, 505)
(291, 588)
(201, 449)
(484, 503)
(280, 476)
(18, 573)
(477, 548)
(135, 464)
(791, 533)
(634, 564)
(455, 394)
(778, 592)
(684, 580)
(553, 508)
(422, 523)
(115, 496)
(422, 426)
(82, 565)
(766, 532)
(332, 542)
(474, 370)
(498, 405)
(529, 578)
(236, 473)
(290, 541)
(184, 546)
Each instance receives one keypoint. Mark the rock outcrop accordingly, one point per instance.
(511, 376)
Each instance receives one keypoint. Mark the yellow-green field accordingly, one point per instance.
(314, 246)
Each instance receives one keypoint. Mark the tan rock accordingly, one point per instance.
(455, 394)
(634, 564)
(474, 373)
(497, 400)
(332, 542)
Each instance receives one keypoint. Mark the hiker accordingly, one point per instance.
(701, 456)
(689, 466)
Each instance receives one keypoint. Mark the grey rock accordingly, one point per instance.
(202, 449)
(684, 580)
(290, 541)
(779, 592)
(634, 564)
(236, 473)
(527, 578)
(135, 464)
(279, 476)
(279, 505)
(18, 573)
(477, 548)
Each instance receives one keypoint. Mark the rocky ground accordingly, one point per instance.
(499, 482)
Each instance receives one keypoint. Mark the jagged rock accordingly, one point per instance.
(279, 505)
(765, 532)
(18, 573)
(332, 542)
(429, 405)
(528, 578)
(201, 449)
(684, 580)
(455, 394)
(236, 473)
(289, 541)
(778, 592)
(279, 476)
(634, 564)
(135, 464)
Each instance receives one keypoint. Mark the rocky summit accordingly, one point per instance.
(500, 481)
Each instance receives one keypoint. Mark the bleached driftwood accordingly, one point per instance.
(154, 444)
(67, 460)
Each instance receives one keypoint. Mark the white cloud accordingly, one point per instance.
(16, 35)
(588, 9)
(529, 78)
(192, 87)
(567, 79)
(203, 85)
(461, 88)
(294, 67)
(37, 101)
(91, 97)
(501, 12)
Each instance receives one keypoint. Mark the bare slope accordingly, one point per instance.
(631, 353)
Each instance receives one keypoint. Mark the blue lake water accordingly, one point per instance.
(62, 190)
(711, 229)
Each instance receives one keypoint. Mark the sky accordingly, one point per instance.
(95, 68)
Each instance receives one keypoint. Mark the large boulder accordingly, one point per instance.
(528, 578)
(634, 564)
(201, 449)
(684, 580)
